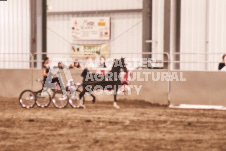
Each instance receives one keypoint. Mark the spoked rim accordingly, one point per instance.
(27, 99)
(75, 101)
(60, 100)
(43, 99)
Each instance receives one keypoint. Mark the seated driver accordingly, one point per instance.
(45, 73)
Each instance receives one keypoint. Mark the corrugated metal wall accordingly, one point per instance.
(203, 31)
(14, 33)
(193, 34)
(157, 28)
(217, 31)
(126, 27)
(93, 5)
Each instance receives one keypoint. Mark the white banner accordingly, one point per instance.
(91, 28)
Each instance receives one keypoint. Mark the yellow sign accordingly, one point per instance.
(92, 50)
(102, 24)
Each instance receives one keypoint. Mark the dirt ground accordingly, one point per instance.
(136, 126)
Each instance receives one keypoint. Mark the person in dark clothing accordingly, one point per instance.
(49, 78)
(222, 64)
(102, 62)
(60, 65)
(75, 66)
(45, 69)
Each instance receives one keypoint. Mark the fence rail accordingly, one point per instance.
(192, 61)
(16, 60)
(186, 61)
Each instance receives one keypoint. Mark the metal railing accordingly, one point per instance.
(16, 59)
(71, 57)
(195, 61)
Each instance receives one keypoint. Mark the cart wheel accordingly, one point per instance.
(60, 100)
(43, 99)
(27, 99)
(74, 100)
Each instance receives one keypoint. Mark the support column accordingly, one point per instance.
(167, 16)
(147, 27)
(33, 44)
(38, 29)
(175, 32)
(44, 26)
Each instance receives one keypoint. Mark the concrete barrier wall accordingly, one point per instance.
(13, 82)
(200, 88)
(151, 91)
(204, 88)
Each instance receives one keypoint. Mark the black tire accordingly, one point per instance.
(60, 100)
(74, 99)
(43, 99)
(27, 99)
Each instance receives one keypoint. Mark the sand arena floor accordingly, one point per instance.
(136, 126)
